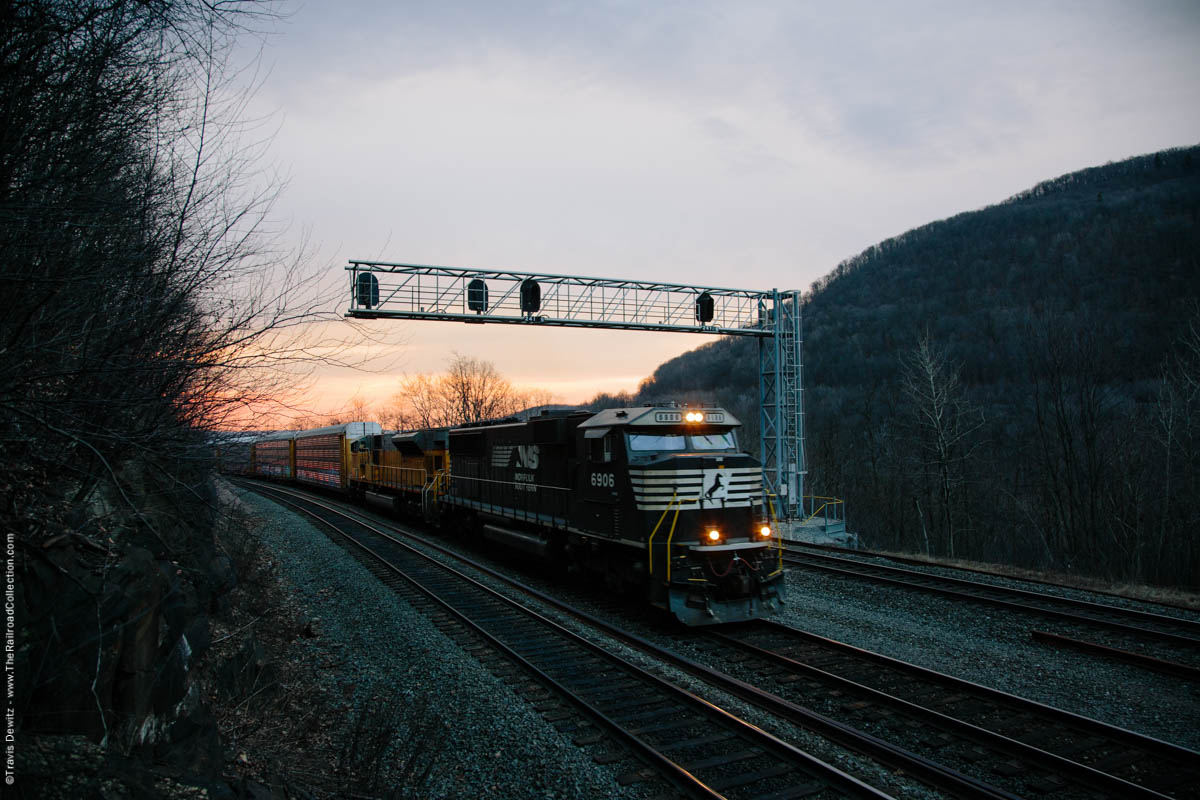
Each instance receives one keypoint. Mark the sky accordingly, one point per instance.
(745, 144)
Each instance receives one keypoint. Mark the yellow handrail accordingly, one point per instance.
(778, 532)
(828, 502)
(650, 541)
(394, 476)
(671, 536)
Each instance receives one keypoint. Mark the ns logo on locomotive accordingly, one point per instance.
(659, 500)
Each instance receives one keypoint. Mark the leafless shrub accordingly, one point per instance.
(393, 745)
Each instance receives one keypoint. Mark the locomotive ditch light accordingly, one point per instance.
(714, 535)
(765, 531)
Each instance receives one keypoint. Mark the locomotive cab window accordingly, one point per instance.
(601, 449)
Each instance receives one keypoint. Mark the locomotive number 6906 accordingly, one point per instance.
(603, 479)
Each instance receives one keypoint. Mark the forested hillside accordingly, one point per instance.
(1018, 384)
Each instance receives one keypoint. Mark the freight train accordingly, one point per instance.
(659, 500)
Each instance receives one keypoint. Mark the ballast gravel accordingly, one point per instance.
(492, 743)
(500, 747)
(992, 646)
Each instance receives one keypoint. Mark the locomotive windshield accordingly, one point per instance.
(679, 442)
(714, 441)
(657, 442)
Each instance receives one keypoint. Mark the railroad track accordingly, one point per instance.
(1037, 749)
(1181, 634)
(916, 561)
(983, 733)
(700, 749)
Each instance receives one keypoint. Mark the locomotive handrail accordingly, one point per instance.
(775, 526)
(516, 491)
(671, 536)
(401, 483)
(650, 541)
(430, 493)
(508, 483)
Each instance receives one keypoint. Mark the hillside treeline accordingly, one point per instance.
(1019, 384)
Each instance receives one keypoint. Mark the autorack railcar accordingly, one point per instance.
(274, 456)
(318, 457)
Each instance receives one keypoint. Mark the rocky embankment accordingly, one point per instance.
(133, 649)
(267, 663)
(115, 617)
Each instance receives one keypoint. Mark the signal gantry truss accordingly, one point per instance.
(383, 290)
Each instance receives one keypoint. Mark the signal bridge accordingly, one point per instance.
(383, 290)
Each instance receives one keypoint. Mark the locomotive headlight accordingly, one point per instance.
(765, 531)
(714, 535)
(694, 416)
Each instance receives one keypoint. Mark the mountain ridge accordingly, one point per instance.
(1062, 316)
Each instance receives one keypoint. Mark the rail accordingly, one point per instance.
(727, 757)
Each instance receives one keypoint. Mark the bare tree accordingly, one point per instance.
(1081, 443)
(474, 390)
(391, 416)
(148, 300)
(945, 423)
(537, 398)
(470, 390)
(418, 403)
(356, 410)
(1171, 551)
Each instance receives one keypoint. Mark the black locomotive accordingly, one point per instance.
(659, 499)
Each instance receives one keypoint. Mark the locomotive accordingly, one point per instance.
(659, 500)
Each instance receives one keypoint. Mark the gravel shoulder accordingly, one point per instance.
(490, 742)
(992, 647)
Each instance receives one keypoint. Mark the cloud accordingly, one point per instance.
(753, 144)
